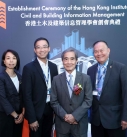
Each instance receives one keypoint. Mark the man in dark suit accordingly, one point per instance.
(37, 77)
(109, 106)
(71, 103)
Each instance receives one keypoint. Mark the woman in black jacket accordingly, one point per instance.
(11, 107)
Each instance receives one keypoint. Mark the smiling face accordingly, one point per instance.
(101, 52)
(10, 60)
(69, 61)
(42, 49)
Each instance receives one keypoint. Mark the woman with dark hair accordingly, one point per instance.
(11, 107)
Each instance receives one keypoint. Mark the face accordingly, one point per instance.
(10, 60)
(41, 49)
(101, 52)
(69, 61)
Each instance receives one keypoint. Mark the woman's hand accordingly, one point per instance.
(20, 119)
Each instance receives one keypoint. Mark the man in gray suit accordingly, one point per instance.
(109, 106)
(71, 97)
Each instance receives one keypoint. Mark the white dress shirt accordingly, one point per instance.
(16, 82)
(73, 75)
(45, 68)
(73, 80)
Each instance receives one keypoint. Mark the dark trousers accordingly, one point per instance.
(62, 135)
(17, 130)
(8, 128)
(70, 135)
(100, 131)
(45, 123)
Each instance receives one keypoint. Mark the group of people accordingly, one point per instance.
(43, 97)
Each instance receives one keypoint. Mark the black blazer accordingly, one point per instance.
(35, 90)
(111, 109)
(10, 99)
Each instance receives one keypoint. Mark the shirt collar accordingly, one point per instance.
(73, 73)
(104, 65)
(42, 63)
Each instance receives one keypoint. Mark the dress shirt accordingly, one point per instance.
(45, 71)
(73, 75)
(104, 67)
(16, 82)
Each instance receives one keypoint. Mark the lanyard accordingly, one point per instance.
(99, 77)
(46, 79)
(69, 85)
(104, 72)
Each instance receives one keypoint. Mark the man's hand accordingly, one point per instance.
(69, 118)
(66, 117)
(124, 125)
(75, 123)
(34, 126)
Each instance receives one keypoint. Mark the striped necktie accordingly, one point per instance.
(70, 87)
(100, 82)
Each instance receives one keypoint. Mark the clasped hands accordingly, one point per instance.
(20, 119)
(124, 125)
(34, 126)
(70, 119)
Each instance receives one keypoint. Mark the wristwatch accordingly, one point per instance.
(16, 117)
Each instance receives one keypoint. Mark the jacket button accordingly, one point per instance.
(70, 104)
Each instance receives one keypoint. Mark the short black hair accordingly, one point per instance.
(100, 41)
(41, 38)
(15, 54)
(69, 50)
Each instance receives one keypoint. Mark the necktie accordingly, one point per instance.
(100, 81)
(70, 84)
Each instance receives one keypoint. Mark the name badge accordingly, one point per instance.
(48, 96)
(95, 92)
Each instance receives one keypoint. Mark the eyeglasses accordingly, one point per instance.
(97, 52)
(44, 47)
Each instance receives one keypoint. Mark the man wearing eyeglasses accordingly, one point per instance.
(37, 77)
(109, 83)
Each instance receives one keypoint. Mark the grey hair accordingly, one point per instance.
(69, 50)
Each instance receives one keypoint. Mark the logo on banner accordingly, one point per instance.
(2, 15)
(74, 41)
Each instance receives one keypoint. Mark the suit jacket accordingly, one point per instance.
(10, 99)
(111, 108)
(35, 89)
(77, 105)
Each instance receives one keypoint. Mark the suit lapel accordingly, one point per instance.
(77, 80)
(107, 76)
(39, 69)
(94, 76)
(64, 84)
(20, 81)
(51, 70)
(19, 77)
(11, 82)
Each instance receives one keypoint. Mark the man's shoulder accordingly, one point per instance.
(51, 63)
(59, 75)
(119, 64)
(82, 74)
(29, 65)
(93, 67)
